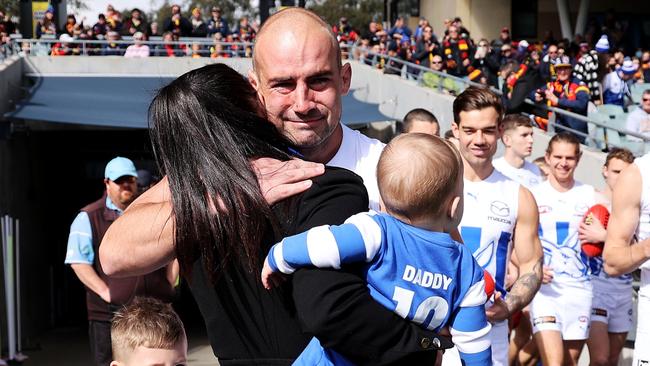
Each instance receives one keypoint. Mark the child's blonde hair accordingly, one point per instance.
(146, 322)
(417, 174)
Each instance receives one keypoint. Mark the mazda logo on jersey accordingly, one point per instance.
(544, 209)
(581, 208)
(500, 208)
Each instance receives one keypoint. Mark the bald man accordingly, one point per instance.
(299, 77)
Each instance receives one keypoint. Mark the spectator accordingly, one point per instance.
(373, 34)
(136, 24)
(426, 47)
(113, 19)
(153, 29)
(137, 49)
(63, 47)
(422, 23)
(457, 52)
(506, 54)
(462, 31)
(6, 25)
(639, 119)
(169, 48)
(100, 28)
(70, 23)
(486, 61)
(615, 84)
(103, 294)
(437, 81)
(199, 27)
(393, 66)
(345, 35)
(47, 25)
(586, 69)
(400, 30)
(420, 120)
(566, 94)
(217, 24)
(504, 38)
(546, 68)
(645, 66)
(177, 24)
(217, 49)
(112, 48)
(91, 49)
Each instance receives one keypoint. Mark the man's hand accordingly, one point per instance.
(550, 96)
(271, 279)
(547, 274)
(498, 311)
(594, 232)
(282, 179)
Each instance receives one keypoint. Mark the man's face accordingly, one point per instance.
(122, 191)
(613, 170)
(477, 134)
(176, 9)
(520, 140)
(506, 51)
(430, 128)
(300, 83)
(552, 52)
(436, 63)
(135, 14)
(562, 160)
(563, 73)
(645, 102)
(372, 26)
(453, 32)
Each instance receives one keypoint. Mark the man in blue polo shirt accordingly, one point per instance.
(104, 295)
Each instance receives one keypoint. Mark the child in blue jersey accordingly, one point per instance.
(413, 267)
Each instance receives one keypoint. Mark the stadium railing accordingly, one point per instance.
(604, 131)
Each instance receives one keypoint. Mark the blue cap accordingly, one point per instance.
(119, 167)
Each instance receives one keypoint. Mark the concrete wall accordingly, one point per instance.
(12, 71)
(483, 18)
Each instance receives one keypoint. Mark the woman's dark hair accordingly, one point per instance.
(204, 131)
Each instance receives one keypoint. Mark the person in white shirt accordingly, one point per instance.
(497, 209)
(137, 49)
(611, 309)
(517, 137)
(561, 310)
(639, 119)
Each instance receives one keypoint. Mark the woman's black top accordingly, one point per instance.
(248, 325)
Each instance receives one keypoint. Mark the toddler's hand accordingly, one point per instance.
(270, 279)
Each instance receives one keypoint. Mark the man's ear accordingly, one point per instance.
(115, 363)
(455, 130)
(505, 138)
(454, 206)
(346, 78)
(252, 79)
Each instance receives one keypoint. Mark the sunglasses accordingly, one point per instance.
(440, 63)
(646, 99)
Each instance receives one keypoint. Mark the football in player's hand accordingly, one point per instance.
(600, 213)
(489, 283)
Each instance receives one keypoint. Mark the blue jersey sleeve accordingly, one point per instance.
(469, 327)
(357, 240)
(80, 241)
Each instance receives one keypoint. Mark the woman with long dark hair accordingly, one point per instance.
(206, 129)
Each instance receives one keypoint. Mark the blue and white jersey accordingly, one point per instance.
(489, 217)
(601, 281)
(423, 276)
(560, 215)
(643, 230)
(528, 175)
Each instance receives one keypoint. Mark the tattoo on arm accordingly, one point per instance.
(524, 288)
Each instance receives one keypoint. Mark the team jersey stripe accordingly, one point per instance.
(471, 236)
(350, 243)
(470, 319)
(277, 262)
(322, 248)
(483, 358)
(475, 295)
(294, 250)
(370, 231)
(502, 257)
(472, 342)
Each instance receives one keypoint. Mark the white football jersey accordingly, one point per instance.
(560, 214)
(528, 175)
(489, 217)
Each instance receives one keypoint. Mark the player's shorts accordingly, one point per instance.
(568, 313)
(641, 349)
(500, 343)
(613, 309)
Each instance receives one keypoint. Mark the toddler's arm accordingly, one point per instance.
(357, 240)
